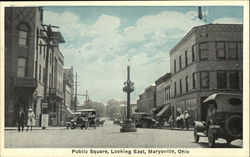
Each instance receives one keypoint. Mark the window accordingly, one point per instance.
(193, 53)
(44, 75)
(180, 62)
(204, 79)
(21, 67)
(175, 91)
(40, 47)
(186, 59)
(23, 35)
(36, 70)
(174, 66)
(240, 45)
(234, 79)
(221, 79)
(39, 78)
(203, 51)
(194, 80)
(232, 50)
(44, 51)
(22, 38)
(220, 50)
(180, 85)
(186, 83)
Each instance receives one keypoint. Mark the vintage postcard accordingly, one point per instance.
(125, 78)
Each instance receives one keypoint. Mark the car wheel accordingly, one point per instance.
(211, 139)
(196, 137)
(228, 141)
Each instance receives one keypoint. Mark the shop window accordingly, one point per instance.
(203, 51)
(220, 50)
(221, 79)
(232, 50)
(21, 67)
(234, 79)
(204, 79)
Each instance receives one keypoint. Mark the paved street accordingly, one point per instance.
(108, 136)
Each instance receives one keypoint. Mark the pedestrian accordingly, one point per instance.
(178, 121)
(186, 118)
(170, 122)
(31, 119)
(182, 121)
(20, 119)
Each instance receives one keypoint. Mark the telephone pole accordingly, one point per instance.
(76, 93)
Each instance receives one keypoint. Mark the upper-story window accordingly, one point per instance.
(204, 79)
(180, 65)
(221, 79)
(203, 51)
(232, 50)
(186, 58)
(174, 66)
(180, 85)
(193, 53)
(186, 83)
(234, 79)
(220, 50)
(175, 90)
(23, 34)
(194, 80)
(21, 67)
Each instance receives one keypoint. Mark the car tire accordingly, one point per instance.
(228, 141)
(227, 126)
(211, 138)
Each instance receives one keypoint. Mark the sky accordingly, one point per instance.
(100, 40)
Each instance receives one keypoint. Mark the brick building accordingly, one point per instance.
(146, 101)
(25, 55)
(163, 104)
(207, 60)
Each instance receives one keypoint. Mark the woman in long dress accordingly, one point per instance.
(31, 119)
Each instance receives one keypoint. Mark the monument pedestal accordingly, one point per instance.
(128, 126)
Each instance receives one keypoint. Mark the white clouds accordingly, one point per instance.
(227, 20)
(99, 51)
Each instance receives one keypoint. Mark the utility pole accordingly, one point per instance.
(76, 93)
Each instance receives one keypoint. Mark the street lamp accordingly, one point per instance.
(128, 125)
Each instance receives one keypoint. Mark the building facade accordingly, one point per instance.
(163, 103)
(147, 100)
(26, 50)
(207, 60)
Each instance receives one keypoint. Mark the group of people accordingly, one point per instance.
(21, 119)
(183, 119)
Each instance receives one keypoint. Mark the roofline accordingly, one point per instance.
(190, 33)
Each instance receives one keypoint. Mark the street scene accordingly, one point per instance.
(101, 137)
(123, 77)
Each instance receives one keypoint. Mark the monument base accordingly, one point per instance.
(128, 126)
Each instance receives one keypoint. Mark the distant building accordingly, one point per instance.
(146, 101)
(207, 60)
(163, 103)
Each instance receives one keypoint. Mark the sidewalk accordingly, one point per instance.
(175, 128)
(35, 128)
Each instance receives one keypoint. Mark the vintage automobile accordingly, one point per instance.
(223, 119)
(143, 120)
(84, 118)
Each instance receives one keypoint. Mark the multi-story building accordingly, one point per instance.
(23, 82)
(146, 101)
(26, 49)
(207, 60)
(163, 104)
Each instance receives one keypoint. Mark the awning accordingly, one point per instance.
(163, 110)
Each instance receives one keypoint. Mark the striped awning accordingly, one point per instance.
(163, 110)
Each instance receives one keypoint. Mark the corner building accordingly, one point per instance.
(207, 60)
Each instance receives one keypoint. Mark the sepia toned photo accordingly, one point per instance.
(124, 79)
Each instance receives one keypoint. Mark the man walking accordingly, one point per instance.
(20, 119)
(186, 117)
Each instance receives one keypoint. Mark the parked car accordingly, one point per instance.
(223, 120)
(143, 120)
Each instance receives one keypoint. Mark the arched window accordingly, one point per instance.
(23, 34)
